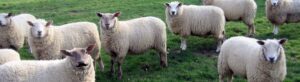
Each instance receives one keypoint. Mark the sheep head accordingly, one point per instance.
(272, 49)
(108, 20)
(5, 19)
(39, 28)
(174, 8)
(80, 57)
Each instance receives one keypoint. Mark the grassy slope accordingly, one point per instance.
(191, 65)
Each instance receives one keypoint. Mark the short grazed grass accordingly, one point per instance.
(197, 64)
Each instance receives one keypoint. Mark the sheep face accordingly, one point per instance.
(275, 3)
(5, 19)
(108, 20)
(80, 58)
(173, 8)
(272, 49)
(39, 28)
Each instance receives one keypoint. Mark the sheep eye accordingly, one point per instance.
(83, 51)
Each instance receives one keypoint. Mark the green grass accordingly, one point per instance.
(197, 64)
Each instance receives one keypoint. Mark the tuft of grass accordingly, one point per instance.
(197, 64)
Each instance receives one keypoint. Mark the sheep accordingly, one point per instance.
(46, 40)
(7, 55)
(279, 12)
(76, 67)
(186, 20)
(132, 36)
(257, 60)
(244, 10)
(14, 30)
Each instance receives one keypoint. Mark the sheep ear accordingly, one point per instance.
(30, 23)
(117, 14)
(167, 4)
(260, 42)
(49, 23)
(282, 41)
(99, 14)
(180, 4)
(90, 48)
(9, 15)
(66, 52)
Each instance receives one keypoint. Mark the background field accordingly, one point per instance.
(197, 64)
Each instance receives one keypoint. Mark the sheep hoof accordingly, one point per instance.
(163, 64)
(183, 48)
(120, 77)
(218, 50)
(275, 32)
(250, 35)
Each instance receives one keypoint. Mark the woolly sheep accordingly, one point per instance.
(186, 20)
(244, 10)
(76, 67)
(257, 60)
(14, 30)
(46, 40)
(7, 55)
(282, 11)
(132, 36)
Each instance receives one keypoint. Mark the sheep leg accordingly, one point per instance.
(120, 73)
(221, 78)
(220, 40)
(275, 30)
(112, 67)
(100, 63)
(183, 44)
(163, 59)
(251, 30)
(230, 77)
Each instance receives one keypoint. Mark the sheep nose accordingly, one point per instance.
(272, 59)
(107, 25)
(173, 12)
(80, 64)
(39, 32)
(274, 4)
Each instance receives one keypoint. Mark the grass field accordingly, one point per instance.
(197, 63)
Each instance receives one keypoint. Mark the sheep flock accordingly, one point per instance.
(71, 52)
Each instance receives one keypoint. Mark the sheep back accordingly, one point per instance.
(44, 71)
(198, 20)
(17, 32)
(7, 55)
(243, 56)
(136, 35)
(236, 9)
(286, 12)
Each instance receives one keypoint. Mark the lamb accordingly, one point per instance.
(186, 20)
(14, 30)
(47, 40)
(244, 10)
(257, 60)
(132, 36)
(279, 12)
(7, 55)
(76, 67)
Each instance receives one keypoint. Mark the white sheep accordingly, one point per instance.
(132, 36)
(186, 20)
(282, 11)
(244, 10)
(14, 30)
(257, 60)
(76, 67)
(46, 40)
(7, 55)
